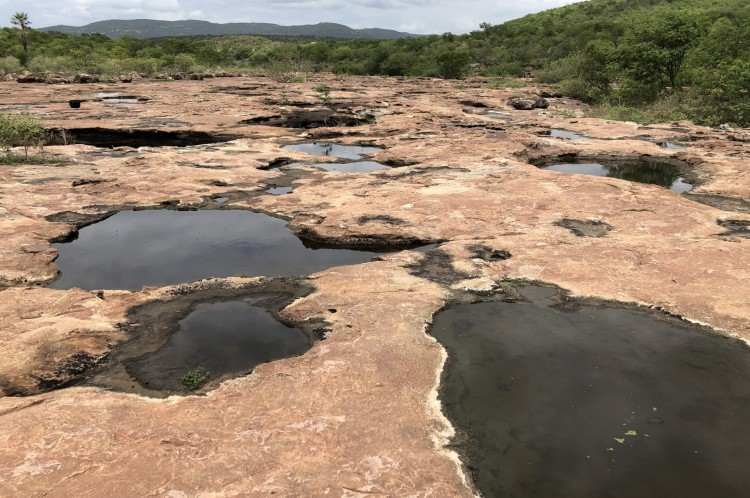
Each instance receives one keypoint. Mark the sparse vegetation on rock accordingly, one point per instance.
(195, 378)
(21, 130)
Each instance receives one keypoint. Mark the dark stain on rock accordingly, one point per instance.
(8, 388)
(736, 228)
(585, 228)
(277, 163)
(398, 163)
(473, 103)
(381, 218)
(70, 369)
(489, 254)
(437, 266)
(88, 181)
(723, 202)
(78, 220)
(420, 171)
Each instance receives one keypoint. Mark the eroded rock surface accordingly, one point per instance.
(357, 414)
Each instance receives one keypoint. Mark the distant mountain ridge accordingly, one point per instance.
(149, 28)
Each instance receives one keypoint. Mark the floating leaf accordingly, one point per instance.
(631, 433)
(619, 440)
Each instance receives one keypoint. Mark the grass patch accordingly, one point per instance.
(661, 111)
(498, 83)
(8, 159)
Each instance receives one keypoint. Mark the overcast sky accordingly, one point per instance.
(414, 16)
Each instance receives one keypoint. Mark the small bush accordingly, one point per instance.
(9, 65)
(667, 108)
(324, 93)
(560, 69)
(194, 379)
(21, 130)
(454, 64)
(43, 63)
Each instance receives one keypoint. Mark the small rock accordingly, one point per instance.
(528, 103)
(86, 78)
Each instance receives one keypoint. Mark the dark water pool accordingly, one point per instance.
(333, 150)
(160, 247)
(601, 402)
(225, 338)
(663, 174)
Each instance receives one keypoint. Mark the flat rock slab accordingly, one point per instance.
(358, 413)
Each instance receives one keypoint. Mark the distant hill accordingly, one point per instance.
(149, 28)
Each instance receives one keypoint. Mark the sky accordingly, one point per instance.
(413, 16)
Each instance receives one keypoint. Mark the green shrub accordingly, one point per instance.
(560, 70)
(53, 64)
(195, 378)
(324, 93)
(9, 65)
(184, 63)
(454, 64)
(21, 130)
(512, 70)
(667, 108)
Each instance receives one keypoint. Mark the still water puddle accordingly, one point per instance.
(655, 173)
(224, 338)
(352, 152)
(279, 190)
(558, 133)
(352, 167)
(136, 248)
(600, 402)
(672, 145)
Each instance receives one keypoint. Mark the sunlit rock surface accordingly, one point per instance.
(358, 413)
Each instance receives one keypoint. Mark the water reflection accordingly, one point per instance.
(663, 174)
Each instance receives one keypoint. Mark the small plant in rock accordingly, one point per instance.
(195, 378)
(324, 93)
(21, 130)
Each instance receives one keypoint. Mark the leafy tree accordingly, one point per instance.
(655, 48)
(596, 66)
(21, 19)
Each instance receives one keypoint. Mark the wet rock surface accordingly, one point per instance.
(358, 413)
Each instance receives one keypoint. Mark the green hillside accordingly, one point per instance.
(149, 28)
(556, 33)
